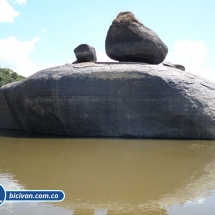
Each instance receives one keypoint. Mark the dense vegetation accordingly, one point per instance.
(8, 76)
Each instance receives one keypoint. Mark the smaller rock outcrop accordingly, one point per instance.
(129, 40)
(85, 53)
(177, 66)
(167, 63)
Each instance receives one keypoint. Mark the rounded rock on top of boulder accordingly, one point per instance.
(129, 40)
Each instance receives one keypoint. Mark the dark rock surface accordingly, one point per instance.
(167, 63)
(85, 53)
(177, 66)
(111, 100)
(128, 40)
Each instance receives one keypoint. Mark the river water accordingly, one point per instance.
(109, 176)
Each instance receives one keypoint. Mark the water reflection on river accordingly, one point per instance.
(110, 176)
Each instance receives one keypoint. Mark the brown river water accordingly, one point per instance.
(109, 176)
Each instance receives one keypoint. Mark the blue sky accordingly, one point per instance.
(37, 34)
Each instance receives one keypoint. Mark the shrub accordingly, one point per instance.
(8, 76)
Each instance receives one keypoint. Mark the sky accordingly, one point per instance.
(38, 34)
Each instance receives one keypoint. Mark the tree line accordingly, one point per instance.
(8, 76)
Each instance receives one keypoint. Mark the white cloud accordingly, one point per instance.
(192, 52)
(7, 13)
(20, 2)
(102, 57)
(193, 55)
(14, 55)
(44, 30)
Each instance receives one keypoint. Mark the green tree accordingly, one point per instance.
(8, 76)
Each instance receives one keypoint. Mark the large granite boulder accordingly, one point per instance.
(129, 40)
(111, 100)
(85, 53)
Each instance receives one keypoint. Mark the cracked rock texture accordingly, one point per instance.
(128, 40)
(111, 100)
